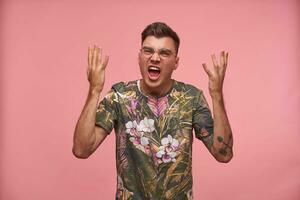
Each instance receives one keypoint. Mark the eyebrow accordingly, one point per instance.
(162, 49)
(146, 47)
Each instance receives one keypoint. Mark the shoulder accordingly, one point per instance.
(188, 89)
(124, 86)
(125, 90)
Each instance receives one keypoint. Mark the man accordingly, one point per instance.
(153, 120)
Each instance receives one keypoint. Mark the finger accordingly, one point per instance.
(97, 57)
(222, 58)
(223, 70)
(222, 64)
(95, 53)
(88, 73)
(226, 59)
(208, 72)
(100, 56)
(105, 61)
(90, 56)
(214, 60)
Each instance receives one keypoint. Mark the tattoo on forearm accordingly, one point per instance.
(223, 151)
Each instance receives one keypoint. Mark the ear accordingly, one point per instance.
(139, 57)
(176, 63)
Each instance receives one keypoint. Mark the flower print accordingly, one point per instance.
(158, 106)
(121, 189)
(203, 132)
(110, 97)
(177, 95)
(173, 110)
(189, 194)
(131, 128)
(115, 97)
(137, 137)
(181, 97)
(139, 142)
(127, 95)
(169, 150)
(130, 94)
(131, 109)
(100, 108)
(146, 125)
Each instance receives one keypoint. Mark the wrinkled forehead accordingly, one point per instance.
(159, 43)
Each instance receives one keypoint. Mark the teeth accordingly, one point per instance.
(154, 68)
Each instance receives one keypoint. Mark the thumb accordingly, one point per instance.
(208, 72)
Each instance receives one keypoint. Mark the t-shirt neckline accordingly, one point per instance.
(153, 97)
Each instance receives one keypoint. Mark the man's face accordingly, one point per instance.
(157, 61)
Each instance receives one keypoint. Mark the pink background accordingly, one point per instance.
(43, 84)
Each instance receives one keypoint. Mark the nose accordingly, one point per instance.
(155, 57)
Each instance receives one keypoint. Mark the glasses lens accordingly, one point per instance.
(147, 51)
(163, 53)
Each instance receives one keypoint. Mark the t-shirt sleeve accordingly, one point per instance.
(106, 112)
(203, 123)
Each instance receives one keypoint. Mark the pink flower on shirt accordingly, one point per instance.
(136, 131)
(169, 150)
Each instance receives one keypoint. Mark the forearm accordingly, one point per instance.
(223, 140)
(84, 135)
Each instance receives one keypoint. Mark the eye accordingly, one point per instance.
(165, 53)
(148, 51)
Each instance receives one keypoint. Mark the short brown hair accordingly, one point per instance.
(159, 30)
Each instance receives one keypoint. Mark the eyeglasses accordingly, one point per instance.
(162, 53)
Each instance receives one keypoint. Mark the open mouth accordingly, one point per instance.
(153, 72)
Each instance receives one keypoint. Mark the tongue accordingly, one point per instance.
(153, 75)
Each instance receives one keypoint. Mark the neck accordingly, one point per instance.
(156, 92)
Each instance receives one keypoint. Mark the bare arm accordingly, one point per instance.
(87, 136)
(222, 141)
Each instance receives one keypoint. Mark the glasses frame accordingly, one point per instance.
(160, 53)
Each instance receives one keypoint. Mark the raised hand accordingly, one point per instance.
(217, 74)
(96, 68)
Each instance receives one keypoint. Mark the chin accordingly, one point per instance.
(152, 84)
(157, 85)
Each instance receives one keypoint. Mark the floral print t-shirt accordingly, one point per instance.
(154, 139)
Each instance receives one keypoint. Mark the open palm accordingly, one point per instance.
(96, 68)
(217, 73)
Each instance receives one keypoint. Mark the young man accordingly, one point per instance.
(153, 120)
